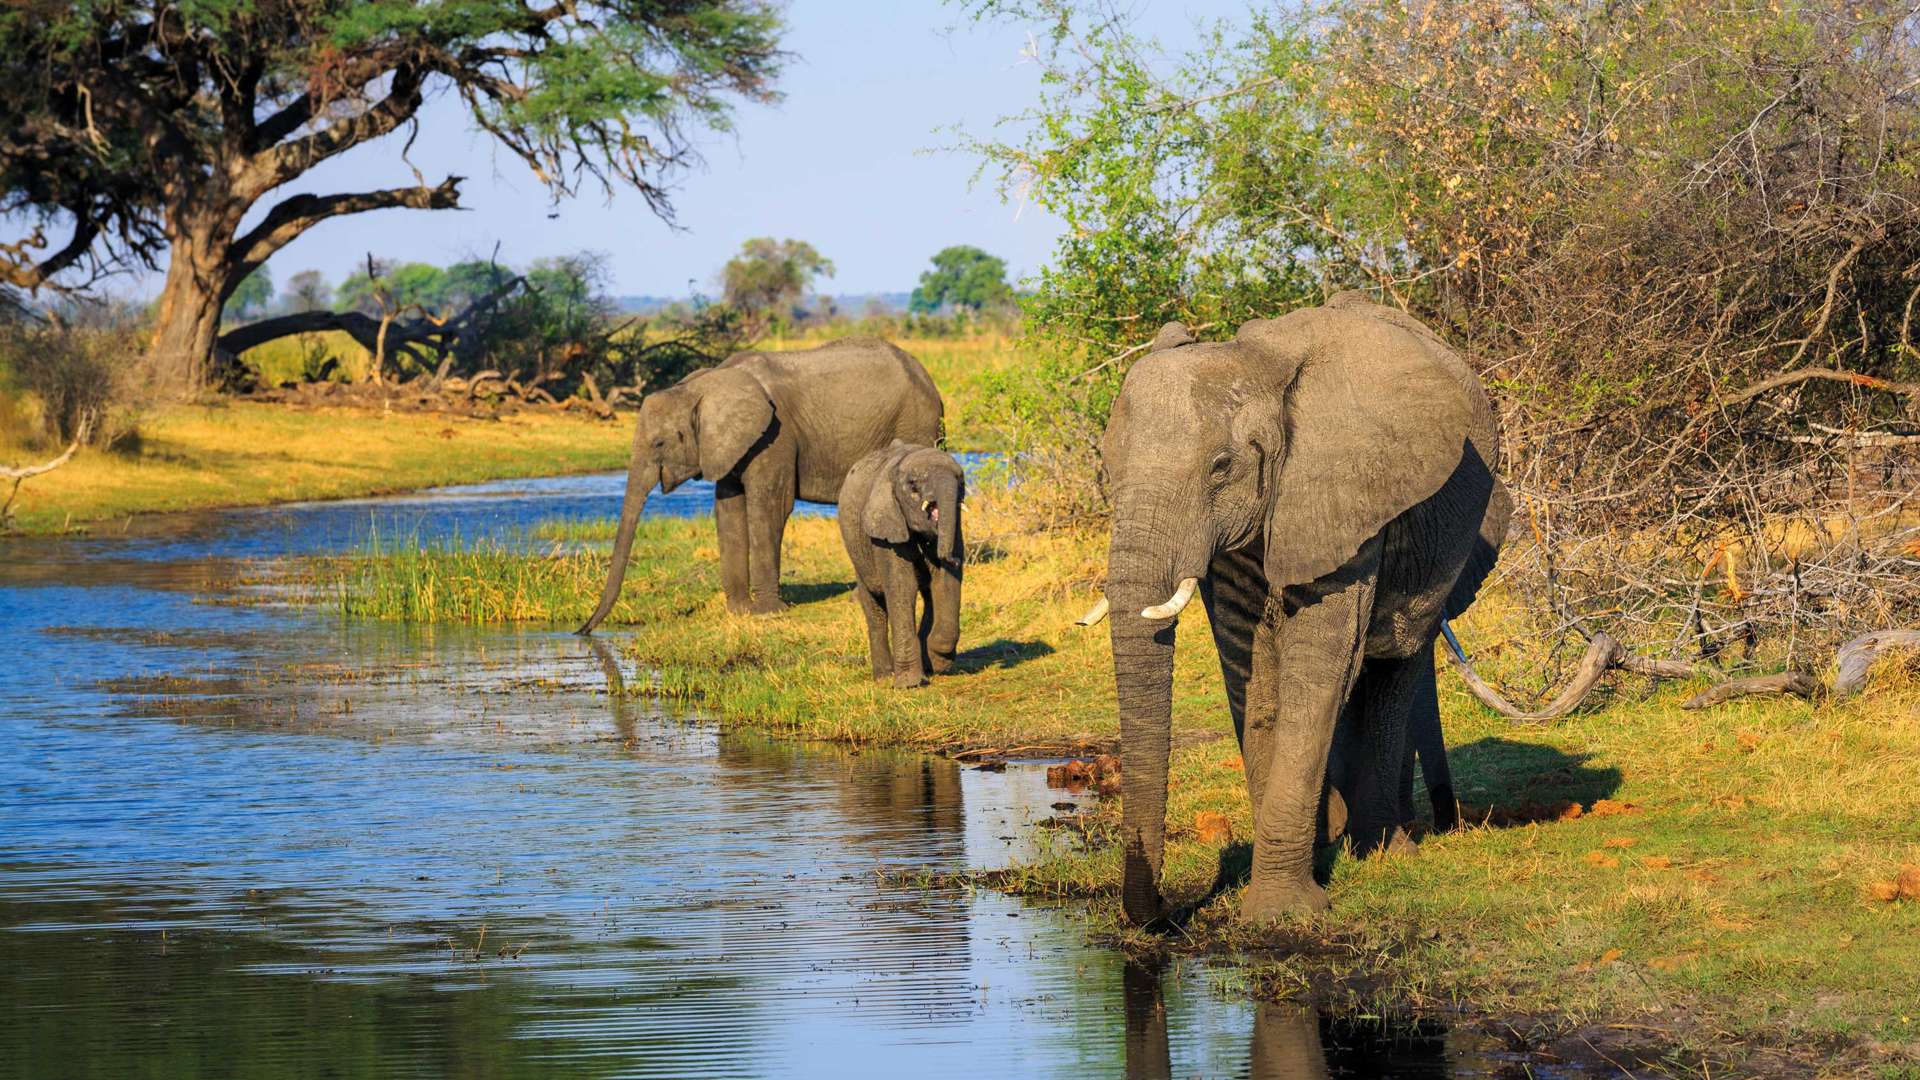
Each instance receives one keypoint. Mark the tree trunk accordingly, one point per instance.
(187, 316)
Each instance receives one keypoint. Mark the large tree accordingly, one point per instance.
(965, 277)
(140, 123)
(769, 277)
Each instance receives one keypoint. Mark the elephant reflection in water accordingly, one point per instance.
(873, 794)
(1286, 1038)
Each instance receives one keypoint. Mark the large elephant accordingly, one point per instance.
(1326, 481)
(765, 428)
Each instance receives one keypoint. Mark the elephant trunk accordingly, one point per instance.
(642, 475)
(949, 524)
(1142, 571)
(1143, 681)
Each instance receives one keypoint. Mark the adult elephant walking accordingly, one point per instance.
(1326, 481)
(765, 428)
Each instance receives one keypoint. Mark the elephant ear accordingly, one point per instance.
(731, 415)
(1377, 419)
(882, 519)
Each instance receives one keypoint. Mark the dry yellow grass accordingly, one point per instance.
(246, 454)
(1718, 883)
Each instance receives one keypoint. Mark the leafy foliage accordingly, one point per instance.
(136, 119)
(252, 295)
(962, 277)
(769, 278)
(404, 283)
(307, 291)
(1644, 223)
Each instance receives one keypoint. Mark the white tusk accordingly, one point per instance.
(1094, 614)
(1174, 603)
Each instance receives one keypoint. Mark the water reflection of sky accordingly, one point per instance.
(236, 840)
(499, 511)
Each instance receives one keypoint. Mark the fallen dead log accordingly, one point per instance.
(1856, 658)
(600, 407)
(21, 474)
(1797, 683)
(1604, 653)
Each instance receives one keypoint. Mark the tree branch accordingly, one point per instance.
(365, 329)
(283, 162)
(18, 269)
(298, 213)
(1790, 377)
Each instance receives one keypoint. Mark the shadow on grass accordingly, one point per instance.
(1001, 653)
(1503, 783)
(985, 551)
(812, 592)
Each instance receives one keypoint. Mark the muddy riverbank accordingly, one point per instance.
(244, 833)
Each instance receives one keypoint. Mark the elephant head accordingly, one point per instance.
(705, 425)
(1299, 440)
(923, 489)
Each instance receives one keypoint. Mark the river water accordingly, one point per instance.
(239, 840)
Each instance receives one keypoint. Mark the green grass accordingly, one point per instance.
(574, 530)
(293, 358)
(452, 582)
(1728, 904)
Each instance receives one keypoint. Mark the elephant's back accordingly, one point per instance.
(1437, 553)
(848, 398)
(851, 375)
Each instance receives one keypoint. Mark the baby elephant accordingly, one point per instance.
(900, 518)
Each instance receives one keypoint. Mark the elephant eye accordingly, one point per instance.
(1222, 463)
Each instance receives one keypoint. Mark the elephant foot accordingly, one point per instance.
(768, 607)
(940, 665)
(739, 606)
(1267, 901)
(908, 680)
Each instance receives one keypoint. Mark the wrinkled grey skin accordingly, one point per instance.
(766, 428)
(900, 520)
(1329, 478)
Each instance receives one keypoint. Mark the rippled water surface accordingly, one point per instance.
(247, 841)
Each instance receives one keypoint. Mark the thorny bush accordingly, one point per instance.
(1679, 241)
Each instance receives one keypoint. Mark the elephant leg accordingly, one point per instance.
(943, 643)
(903, 629)
(878, 648)
(1317, 655)
(1235, 594)
(769, 504)
(730, 516)
(1425, 737)
(1262, 710)
(1384, 700)
(1338, 787)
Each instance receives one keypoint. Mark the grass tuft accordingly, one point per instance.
(1700, 872)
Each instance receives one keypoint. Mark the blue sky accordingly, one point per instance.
(842, 163)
